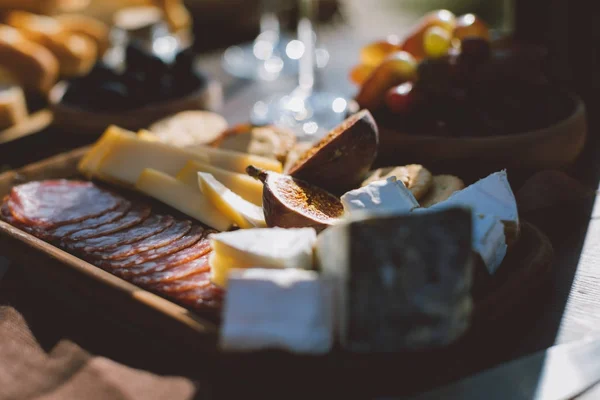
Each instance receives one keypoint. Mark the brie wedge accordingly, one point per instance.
(243, 213)
(384, 197)
(288, 309)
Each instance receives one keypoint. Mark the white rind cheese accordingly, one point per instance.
(245, 214)
(380, 198)
(277, 309)
(489, 240)
(268, 247)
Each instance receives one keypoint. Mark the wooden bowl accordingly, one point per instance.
(78, 120)
(553, 147)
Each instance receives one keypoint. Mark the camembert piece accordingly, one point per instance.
(243, 213)
(243, 185)
(128, 156)
(384, 197)
(289, 310)
(489, 240)
(489, 196)
(184, 198)
(392, 273)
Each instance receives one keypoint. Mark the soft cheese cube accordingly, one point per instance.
(378, 198)
(277, 309)
(396, 274)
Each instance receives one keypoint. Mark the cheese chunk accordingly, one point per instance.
(489, 240)
(241, 184)
(243, 213)
(147, 135)
(128, 156)
(396, 276)
(492, 196)
(268, 247)
(88, 166)
(380, 198)
(289, 310)
(184, 198)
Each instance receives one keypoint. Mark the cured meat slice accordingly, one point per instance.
(197, 280)
(111, 216)
(164, 238)
(151, 226)
(6, 215)
(206, 298)
(193, 252)
(172, 274)
(135, 216)
(53, 203)
(193, 236)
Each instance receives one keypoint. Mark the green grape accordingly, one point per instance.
(436, 42)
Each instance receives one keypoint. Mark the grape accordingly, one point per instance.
(436, 41)
(475, 50)
(413, 43)
(435, 75)
(374, 53)
(469, 25)
(403, 63)
(443, 18)
(401, 99)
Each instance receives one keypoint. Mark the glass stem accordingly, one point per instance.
(306, 34)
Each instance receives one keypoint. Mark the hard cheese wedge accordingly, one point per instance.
(380, 198)
(88, 166)
(184, 198)
(261, 247)
(245, 214)
(401, 282)
(243, 185)
(128, 156)
(289, 310)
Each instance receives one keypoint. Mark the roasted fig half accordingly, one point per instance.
(293, 203)
(341, 160)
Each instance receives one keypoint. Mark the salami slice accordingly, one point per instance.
(111, 216)
(151, 226)
(206, 298)
(164, 238)
(135, 216)
(6, 215)
(193, 252)
(54, 203)
(193, 236)
(197, 280)
(172, 274)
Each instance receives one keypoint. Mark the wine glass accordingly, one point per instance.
(308, 111)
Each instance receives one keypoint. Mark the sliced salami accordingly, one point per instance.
(54, 203)
(206, 298)
(193, 252)
(6, 215)
(111, 216)
(152, 225)
(135, 216)
(197, 280)
(172, 274)
(164, 238)
(193, 236)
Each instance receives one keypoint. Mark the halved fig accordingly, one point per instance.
(293, 203)
(341, 160)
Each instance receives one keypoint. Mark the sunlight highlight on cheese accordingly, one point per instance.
(245, 214)
(88, 166)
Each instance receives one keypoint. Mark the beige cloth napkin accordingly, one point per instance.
(69, 372)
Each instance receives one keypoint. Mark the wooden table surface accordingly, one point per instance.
(566, 310)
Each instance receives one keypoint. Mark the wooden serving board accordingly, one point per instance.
(524, 268)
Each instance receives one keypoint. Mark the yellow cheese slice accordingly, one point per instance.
(182, 197)
(243, 185)
(243, 213)
(129, 156)
(88, 165)
(147, 135)
(221, 266)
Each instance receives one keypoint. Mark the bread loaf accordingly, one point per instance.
(34, 66)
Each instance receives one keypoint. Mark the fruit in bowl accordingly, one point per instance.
(448, 78)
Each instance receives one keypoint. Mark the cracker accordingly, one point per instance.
(443, 187)
(414, 176)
